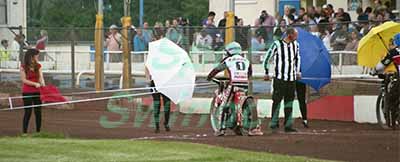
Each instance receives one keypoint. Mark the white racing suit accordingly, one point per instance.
(239, 69)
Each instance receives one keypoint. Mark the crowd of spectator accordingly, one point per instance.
(332, 25)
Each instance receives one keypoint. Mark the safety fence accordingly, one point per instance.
(68, 58)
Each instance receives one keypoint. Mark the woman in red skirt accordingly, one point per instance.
(32, 80)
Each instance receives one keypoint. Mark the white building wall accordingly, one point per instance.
(251, 10)
(16, 16)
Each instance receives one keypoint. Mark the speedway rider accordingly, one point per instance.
(239, 71)
(392, 56)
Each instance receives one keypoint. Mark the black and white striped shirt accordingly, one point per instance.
(286, 59)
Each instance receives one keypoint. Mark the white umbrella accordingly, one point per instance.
(171, 69)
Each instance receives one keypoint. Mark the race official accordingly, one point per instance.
(285, 55)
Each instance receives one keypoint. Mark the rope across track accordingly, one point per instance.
(103, 91)
(153, 91)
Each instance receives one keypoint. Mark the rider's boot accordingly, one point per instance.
(305, 123)
(256, 132)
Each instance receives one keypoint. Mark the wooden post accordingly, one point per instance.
(229, 31)
(21, 45)
(98, 39)
(72, 37)
(127, 64)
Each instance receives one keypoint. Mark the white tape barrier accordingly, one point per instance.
(199, 85)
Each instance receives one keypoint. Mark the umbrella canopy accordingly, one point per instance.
(315, 60)
(171, 69)
(374, 46)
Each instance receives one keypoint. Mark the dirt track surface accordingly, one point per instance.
(344, 141)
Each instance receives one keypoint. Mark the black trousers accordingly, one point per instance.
(282, 90)
(157, 107)
(29, 101)
(301, 96)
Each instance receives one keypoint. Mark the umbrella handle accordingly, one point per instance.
(380, 37)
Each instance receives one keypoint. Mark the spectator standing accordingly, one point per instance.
(294, 13)
(287, 70)
(257, 45)
(308, 21)
(4, 51)
(268, 22)
(311, 11)
(147, 32)
(286, 14)
(368, 11)
(302, 12)
(314, 30)
(342, 16)
(241, 34)
(361, 16)
(139, 41)
(41, 44)
(204, 41)
(378, 4)
(319, 15)
(213, 31)
(364, 29)
(279, 30)
(32, 80)
(339, 37)
(174, 34)
(222, 22)
(158, 31)
(352, 45)
(326, 39)
(113, 44)
(329, 11)
(167, 25)
(210, 17)
(257, 28)
(15, 45)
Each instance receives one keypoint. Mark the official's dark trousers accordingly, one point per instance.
(29, 101)
(301, 96)
(157, 107)
(282, 90)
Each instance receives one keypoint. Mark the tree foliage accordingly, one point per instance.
(81, 13)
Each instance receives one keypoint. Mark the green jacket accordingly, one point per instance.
(4, 54)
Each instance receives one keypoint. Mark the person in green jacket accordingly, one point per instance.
(4, 51)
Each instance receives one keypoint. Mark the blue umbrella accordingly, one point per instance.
(315, 60)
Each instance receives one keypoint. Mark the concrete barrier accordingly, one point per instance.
(338, 108)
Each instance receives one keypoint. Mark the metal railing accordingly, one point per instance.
(203, 67)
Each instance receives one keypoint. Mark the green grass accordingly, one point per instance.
(40, 148)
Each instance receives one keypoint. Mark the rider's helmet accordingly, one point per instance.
(233, 48)
(396, 40)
